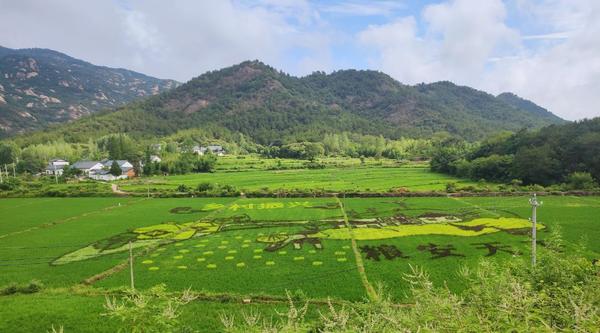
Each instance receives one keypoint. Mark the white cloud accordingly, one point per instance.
(469, 42)
(400, 53)
(363, 8)
(170, 39)
(544, 50)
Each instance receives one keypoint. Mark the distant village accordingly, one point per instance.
(104, 170)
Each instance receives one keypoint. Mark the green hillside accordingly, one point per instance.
(269, 106)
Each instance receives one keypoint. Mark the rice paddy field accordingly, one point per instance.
(261, 247)
(338, 175)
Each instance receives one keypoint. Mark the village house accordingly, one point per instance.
(100, 170)
(215, 149)
(56, 167)
(155, 159)
(87, 167)
(127, 171)
(156, 147)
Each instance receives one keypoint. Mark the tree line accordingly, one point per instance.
(558, 154)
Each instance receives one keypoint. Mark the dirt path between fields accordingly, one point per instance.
(357, 256)
(115, 189)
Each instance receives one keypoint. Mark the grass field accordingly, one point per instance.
(267, 246)
(340, 175)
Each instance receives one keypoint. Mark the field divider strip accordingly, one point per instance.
(357, 256)
(475, 206)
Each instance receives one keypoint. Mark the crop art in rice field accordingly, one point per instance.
(281, 235)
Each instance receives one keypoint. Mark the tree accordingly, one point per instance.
(536, 165)
(206, 163)
(8, 152)
(493, 167)
(118, 146)
(31, 161)
(115, 169)
(581, 181)
(313, 150)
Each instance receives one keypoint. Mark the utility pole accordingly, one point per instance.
(131, 265)
(534, 205)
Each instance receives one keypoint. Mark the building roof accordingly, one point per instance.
(108, 163)
(52, 167)
(85, 164)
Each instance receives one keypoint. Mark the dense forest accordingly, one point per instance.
(568, 153)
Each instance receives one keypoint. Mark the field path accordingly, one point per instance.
(115, 189)
(357, 256)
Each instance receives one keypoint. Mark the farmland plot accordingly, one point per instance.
(267, 246)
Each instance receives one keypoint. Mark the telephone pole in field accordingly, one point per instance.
(534, 205)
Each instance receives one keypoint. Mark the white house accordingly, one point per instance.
(215, 149)
(123, 164)
(56, 166)
(87, 167)
(198, 150)
(127, 171)
(155, 159)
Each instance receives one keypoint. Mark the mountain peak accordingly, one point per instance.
(527, 105)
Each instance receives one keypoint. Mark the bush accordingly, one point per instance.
(183, 188)
(32, 287)
(204, 187)
(314, 165)
(580, 181)
(451, 187)
(9, 289)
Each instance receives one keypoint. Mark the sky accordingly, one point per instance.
(547, 51)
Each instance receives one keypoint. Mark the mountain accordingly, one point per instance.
(523, 104)
(269, 105)
(40, 87)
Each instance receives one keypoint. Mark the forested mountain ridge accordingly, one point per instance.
(268, 105)
(40, 87)
(526, 105)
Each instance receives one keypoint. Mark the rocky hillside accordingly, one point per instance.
(40, 87)
(268, 105)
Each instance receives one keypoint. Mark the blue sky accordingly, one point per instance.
(544, 50)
